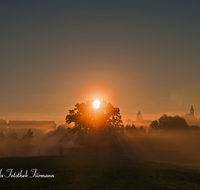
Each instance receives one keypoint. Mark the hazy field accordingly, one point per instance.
(101, 171)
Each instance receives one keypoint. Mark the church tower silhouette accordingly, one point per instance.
(191, 110)
(139, 116)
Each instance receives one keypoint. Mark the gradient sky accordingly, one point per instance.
(138, 55)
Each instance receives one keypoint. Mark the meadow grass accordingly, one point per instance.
(83, 170)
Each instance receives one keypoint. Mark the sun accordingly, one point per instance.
(96, 104)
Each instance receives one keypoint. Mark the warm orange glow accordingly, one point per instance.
(96, 90)
(96, 104)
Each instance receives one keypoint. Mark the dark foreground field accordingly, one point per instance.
(101, 171)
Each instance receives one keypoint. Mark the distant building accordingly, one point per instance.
(25, 124)
(190, 117)
(139, 121)
(21, 127)
(3, 126)
(191, 114)
(139, 117)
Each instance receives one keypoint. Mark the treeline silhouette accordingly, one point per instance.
(12, 145)
(168, 135)
(171, 124)
(102, 129)
(165, 124)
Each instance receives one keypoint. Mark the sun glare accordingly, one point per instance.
(96, 104)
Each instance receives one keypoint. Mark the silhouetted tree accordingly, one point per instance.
(26, 143)
(2, 144)
(154, 127)
(130, 128)
(141, 129)
(95, 126)
(168, 123)
(13, 144)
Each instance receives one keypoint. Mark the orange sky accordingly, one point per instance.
(138, 55)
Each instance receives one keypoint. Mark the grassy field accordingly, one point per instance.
(79, 170)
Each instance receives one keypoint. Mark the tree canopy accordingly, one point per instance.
(91, 123)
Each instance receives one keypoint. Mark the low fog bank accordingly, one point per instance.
(36, 141)
(159, 141)
(170, 146)
(179, 146)
(54, 141)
